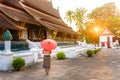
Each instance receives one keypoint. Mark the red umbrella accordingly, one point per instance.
(48, 44)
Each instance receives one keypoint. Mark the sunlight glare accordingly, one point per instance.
(96, 29)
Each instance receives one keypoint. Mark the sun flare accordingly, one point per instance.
(96, 29)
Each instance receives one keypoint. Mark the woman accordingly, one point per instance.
(46, 60)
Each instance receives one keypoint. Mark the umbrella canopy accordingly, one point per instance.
(48, 44)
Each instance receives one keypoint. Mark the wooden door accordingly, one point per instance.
(108, 42)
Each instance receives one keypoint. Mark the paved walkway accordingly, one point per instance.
(102, 66)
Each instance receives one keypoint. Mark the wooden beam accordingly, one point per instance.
(1, 33)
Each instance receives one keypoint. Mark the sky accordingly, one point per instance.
(65, 5)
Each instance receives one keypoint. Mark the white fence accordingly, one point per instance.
(27, 56)
(32, 56)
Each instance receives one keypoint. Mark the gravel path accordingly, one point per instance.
(102, 66)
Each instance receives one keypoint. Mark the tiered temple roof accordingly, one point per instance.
(37, 12)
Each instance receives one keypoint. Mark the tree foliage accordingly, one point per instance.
(105, 16)
(91, 35)
(104, 12)
(114, 24)
(78, 17)
(69, 16)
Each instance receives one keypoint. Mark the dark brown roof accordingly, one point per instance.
(42, 16)
(61, 28)
(17, 15)
(10, 24)
(12, 3)
(53, 22)
(43, 6)
(36, 4)
(38, 12)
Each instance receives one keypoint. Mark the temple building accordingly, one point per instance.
(108, 39)
(34, 20)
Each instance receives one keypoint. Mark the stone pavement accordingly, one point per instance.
(102, 66)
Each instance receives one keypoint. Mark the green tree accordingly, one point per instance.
(69, 16)
(104, 12)
(114, 25)
(79, 16)
(79, 19)
(91, 35)
(104, 16)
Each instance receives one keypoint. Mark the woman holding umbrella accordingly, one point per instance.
(48, 45)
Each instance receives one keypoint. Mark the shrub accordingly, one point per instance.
(18, 63)
(95, 51)
(99, 49)
(61, 55)
(89, 53)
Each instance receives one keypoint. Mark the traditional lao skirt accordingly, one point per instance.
(46, 61)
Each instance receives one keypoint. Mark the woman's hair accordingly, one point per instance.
(46, 50)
